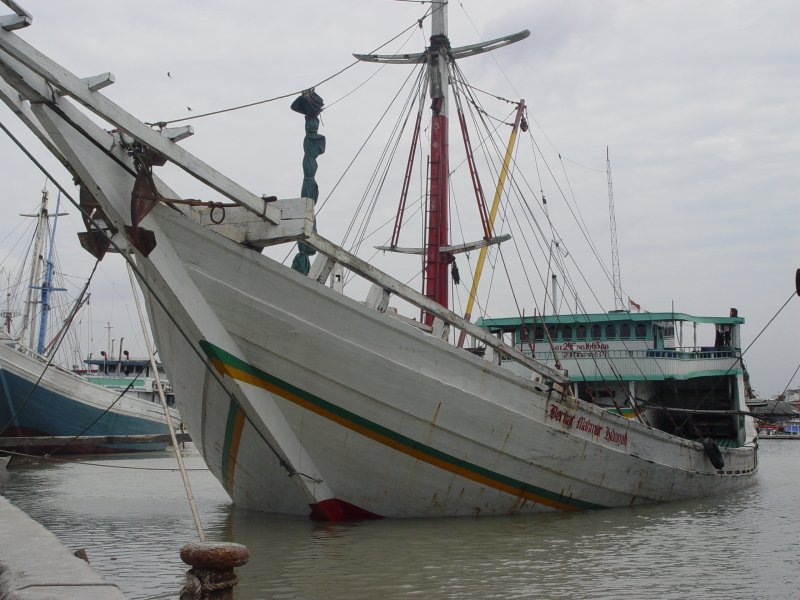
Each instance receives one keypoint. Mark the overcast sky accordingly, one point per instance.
(697, 101)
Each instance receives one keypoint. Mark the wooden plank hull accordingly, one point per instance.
(399, 423)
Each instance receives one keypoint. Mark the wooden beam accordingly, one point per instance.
(374, 275)
(104, 108)
(58, 440)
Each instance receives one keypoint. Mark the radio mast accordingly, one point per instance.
(615, 277)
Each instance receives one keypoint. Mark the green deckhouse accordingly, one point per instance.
(682, 374)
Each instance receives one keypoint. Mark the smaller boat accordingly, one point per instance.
(134, 376)
(649, 366)
(785, 430)
(48, 409)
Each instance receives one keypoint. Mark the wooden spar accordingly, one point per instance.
(374, 275)
(492, 214)
(89, 150)
(78, 89)
(456, 53)
(409, 166)
(20, 19)
(473, 171)
(58, 440)
(436, 256)
(454, 249)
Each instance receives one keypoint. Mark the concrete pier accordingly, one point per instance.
(35, 565)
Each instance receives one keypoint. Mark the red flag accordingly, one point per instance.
(634, 305)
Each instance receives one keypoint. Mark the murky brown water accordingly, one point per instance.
(132, 524)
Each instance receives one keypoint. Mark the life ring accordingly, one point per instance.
(713, 453)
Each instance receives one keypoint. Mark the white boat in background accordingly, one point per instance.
(48, 409)
(303, 400)
(133, 376)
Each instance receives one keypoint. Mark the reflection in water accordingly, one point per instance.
(133, 523)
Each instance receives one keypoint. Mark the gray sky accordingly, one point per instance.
(696, 100)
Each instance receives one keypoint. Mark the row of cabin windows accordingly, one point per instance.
(594, 332)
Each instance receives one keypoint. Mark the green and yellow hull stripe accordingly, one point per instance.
(237, 369)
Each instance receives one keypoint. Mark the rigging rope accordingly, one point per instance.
(46, 366)
(741, 356)
(155, 295)
(170, 427)
(162, 124)
(100, 416)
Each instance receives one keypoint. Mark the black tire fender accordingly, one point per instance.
(713, 453)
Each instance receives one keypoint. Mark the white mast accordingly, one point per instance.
(35, 273)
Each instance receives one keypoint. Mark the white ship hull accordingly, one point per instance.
(399, 423)
(303, 400)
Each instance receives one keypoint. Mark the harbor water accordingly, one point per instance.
(131, 515)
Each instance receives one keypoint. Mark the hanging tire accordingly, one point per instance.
(713, 453)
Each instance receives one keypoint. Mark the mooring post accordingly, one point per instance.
(211, 576)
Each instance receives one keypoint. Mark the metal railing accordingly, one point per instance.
(641, 364)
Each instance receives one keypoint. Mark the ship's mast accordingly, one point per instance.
(437, 253)
(28, 329)
(435, 266)
(47, 284)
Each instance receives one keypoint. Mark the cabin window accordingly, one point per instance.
(611, 331)
(580, 332)
(625, 331)
(596, 332)
(566, 332)
(524, 334)
(538, 332)
(641, 331)
(551, 332)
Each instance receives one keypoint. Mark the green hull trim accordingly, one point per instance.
(243, 371)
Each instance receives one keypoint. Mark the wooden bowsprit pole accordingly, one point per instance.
(99, 160)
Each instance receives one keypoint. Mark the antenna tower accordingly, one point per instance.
(616, 280)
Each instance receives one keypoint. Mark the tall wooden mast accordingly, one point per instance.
(436, 263)
(437, 253)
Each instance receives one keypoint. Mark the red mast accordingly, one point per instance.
(437, 281)
(437, 254)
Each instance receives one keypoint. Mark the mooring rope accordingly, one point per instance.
(187, 486)
(199, 580)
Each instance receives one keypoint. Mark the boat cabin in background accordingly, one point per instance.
(681, 372)
(125, 372)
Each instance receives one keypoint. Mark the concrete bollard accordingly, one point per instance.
(211, 576)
